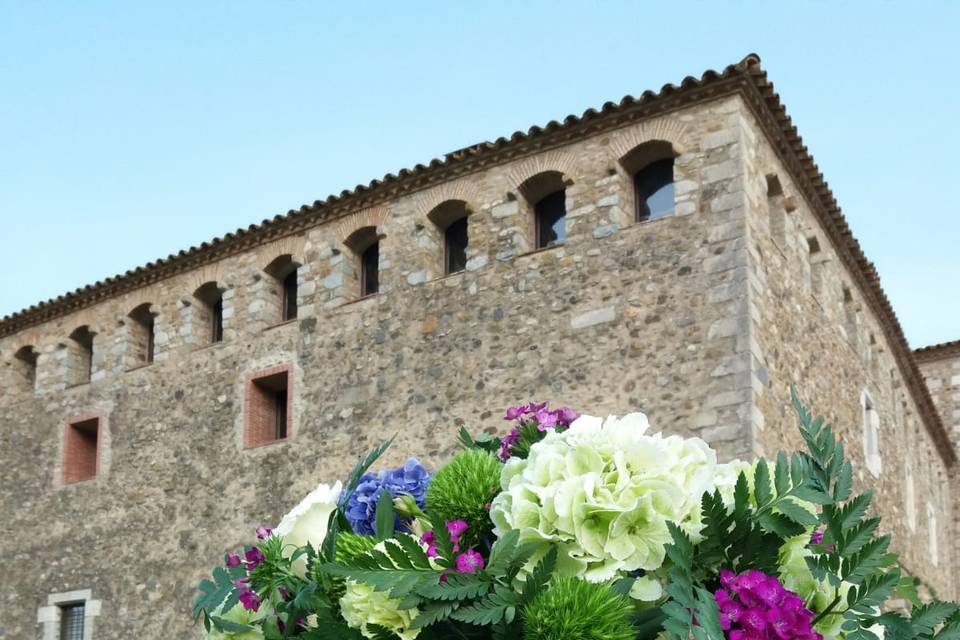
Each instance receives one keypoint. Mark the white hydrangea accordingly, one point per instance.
(603, 491)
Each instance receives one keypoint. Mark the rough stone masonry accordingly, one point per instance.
(139, 444)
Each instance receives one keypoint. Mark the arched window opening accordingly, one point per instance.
(284, 271)
(142, 334)
(26, 360)
(547, 193)
(451, 218)
(80, 356)
(651, 167)
(365, 244)
(210, 296)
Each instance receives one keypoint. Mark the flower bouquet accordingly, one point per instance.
(575, 527)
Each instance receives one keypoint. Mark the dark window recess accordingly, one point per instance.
(456, 246)
(290, 296)
(551, 215)
(370, 270)
(151, 339)
(653, 186)
(71, 622)
(280, 402)
(216, 321)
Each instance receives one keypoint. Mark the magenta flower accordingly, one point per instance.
(233, 560)
(816, 537)
(263, 532)
(431, 539)
(755, 606)
(546, 419)
(250, 600)
(469, 562)
(567, 415)
(514, 413)
(508, 441)
(242, 584)
(254, 557)
(456, 529)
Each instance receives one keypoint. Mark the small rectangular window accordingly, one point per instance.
(871, 435)
(289, 296)
(456, 237)
(370, 270)
(267, 407)
(81, 450)
(216, 321)
(71, 621)
(551, 219)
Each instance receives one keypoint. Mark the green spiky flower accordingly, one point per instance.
(349, 546)
(463, 489)
(573, 609)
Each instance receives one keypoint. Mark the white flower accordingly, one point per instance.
(604, 491)
(307, 522)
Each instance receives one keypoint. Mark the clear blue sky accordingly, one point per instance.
(129, 131)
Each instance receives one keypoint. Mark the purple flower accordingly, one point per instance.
(242, 584)
(250, 600)
(430, 538)
(456, 529)
(233, 560)
(816, 537)
(410, 479)
(508, 441)
(263, 533)
(546, 419)
(254, 557)
(567, 415)
(755, 606)
(514, 413)
(469, 562)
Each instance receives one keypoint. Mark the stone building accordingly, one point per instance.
(677, 253)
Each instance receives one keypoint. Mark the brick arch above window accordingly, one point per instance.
(664, 130)
(375, 217)
(462, 190)
(559, 161)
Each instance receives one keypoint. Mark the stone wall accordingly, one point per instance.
(942, 375)
(812, 327)
(624, 317)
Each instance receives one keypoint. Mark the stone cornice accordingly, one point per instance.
(938, 351)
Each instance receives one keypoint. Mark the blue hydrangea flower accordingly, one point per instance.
(411, 478)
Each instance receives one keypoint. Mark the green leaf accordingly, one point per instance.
(384, 516)
(432, 613)
(501, 555)
(761, 484)
(491, 609)
(796, 513)
(458, 586)
(856, 538)
(781, 474)
(779, 524)
(229, 625)
(925, 618)
(841, 490)
(540, 576)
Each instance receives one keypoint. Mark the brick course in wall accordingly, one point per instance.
(702, 319)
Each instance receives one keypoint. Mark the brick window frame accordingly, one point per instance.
(260, 410)
(49, 615)
(82, 448)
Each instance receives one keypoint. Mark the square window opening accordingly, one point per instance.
(267, 409)
(81, 450)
